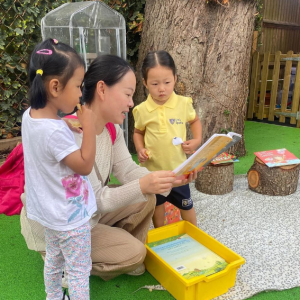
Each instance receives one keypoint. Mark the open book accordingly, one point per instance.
(214, 146)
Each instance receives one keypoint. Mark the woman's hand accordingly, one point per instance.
(157, 182)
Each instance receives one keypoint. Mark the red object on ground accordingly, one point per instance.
(172, 213)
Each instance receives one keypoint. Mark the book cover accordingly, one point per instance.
(224, 158)
(277, 158)
(188, 257)
(214, 146)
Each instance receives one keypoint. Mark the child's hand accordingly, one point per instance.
(190, 146)
(182, 180)
(73, 124)
(86, 117)
(143, 155)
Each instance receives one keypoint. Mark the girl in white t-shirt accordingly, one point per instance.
(59, 195)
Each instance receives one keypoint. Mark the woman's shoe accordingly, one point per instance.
(138, 271)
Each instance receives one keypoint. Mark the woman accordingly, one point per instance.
(123, 216)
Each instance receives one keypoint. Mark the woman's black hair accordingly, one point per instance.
(155, 58)
(108, 68)
(50, 58)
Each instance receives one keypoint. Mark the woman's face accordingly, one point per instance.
(118, 98)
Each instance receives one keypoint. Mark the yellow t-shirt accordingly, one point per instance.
(161, 124)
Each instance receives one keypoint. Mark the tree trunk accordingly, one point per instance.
(276, 181)
(216, 179)
(211, 47)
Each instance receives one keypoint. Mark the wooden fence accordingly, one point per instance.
(275, 87)
(280, 26)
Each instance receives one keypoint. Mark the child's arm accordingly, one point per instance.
(82, 160)
(191, 145)
(138, 139)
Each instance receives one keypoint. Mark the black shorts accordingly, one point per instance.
(179, 196)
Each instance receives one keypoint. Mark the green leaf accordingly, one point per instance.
(19, 31)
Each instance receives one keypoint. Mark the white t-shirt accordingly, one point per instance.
(57, 198)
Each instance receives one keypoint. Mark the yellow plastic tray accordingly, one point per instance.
(197, 288)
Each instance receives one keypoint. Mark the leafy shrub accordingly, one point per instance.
(20, 31)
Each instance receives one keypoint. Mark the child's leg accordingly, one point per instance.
(181, 198)
(54, 262)
(159, 216)
(76, 247)
(189, 215)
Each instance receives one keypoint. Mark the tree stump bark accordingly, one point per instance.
(216, 179)
(276, 181)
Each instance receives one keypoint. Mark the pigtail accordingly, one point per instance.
(37, 92)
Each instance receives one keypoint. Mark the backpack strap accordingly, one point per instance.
(113, 134)
(110, 127)
(112, 131)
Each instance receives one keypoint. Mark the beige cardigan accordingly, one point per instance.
(114, 159)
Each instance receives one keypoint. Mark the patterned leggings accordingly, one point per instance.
(72, 250)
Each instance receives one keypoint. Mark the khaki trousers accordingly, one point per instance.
(119, 237)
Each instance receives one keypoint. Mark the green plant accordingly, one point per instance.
(258, 20)
(226, 112)
(19, 32)
(133, 12)
(225, 130)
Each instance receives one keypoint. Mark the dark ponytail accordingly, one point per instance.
(108, 68)
(50, 59)
(38, 94)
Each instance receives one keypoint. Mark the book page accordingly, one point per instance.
(188, 257)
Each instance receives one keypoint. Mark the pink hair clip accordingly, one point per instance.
(44, 52)
(55, 41)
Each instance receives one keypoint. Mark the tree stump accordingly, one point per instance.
(276, 181)
(216, 179)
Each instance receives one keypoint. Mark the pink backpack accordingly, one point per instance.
(12, 178)
(12, 182)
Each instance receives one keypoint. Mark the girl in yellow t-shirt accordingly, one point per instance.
(158, 120)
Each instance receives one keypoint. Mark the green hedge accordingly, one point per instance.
(20, 31)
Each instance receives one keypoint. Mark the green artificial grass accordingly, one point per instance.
(21, 275)
(21, 270)
(263, 136)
